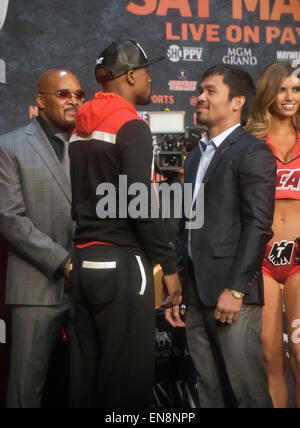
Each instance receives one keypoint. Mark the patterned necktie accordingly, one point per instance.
(65, 160)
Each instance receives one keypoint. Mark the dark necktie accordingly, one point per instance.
(65, 160)
(203, 147)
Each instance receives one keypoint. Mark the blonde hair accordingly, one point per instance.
(268, 87)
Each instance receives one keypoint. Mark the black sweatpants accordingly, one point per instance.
(112, 336)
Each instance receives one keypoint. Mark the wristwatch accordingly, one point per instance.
(236, 294)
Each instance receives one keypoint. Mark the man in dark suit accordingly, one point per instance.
(35, 219)
(222, 261)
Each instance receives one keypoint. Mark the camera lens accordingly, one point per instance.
(171, 161)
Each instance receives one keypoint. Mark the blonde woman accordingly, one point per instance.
(276, 119)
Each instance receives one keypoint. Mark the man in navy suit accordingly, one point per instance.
(221, 262)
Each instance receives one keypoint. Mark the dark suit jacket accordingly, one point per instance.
(239, 197)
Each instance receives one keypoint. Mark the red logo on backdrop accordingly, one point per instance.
(193, 101)
(3, 12)
(179, 85)
(163, 99)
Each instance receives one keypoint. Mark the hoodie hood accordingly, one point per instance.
(106, 111)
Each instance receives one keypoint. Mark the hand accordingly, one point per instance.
(172, 291)
(172, 315)
(228, 308)
(67, 270)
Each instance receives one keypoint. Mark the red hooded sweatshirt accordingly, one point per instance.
(110, 140)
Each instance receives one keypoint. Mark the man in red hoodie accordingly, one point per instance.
(112, 360)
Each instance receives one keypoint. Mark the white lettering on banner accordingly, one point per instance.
(2, 71)
(2, 332)
(144, 115)
(3, 12)
(240, 56)
(188, 54)
(288, 55)
(174, 53)
(192, 54)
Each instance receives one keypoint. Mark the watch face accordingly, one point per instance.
(3, 12)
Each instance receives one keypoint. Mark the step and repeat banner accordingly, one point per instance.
(36, 35)
(193, 34)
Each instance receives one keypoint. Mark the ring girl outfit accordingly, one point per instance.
(281, 261)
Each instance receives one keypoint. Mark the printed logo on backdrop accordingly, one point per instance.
(183, 85)
(240, 56)
(3, 13)
(144, 115)
(189, 54)
(163, 340)
(268, 15)
(182, 75)
(163, 99)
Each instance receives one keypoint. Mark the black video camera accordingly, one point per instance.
(172, 140)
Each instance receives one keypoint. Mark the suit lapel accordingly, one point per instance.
(191, 172)
(222, 149)
(40, 144)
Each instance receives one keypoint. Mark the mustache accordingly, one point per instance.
(199, 104)
(71, 108)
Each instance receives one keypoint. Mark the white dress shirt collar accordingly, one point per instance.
(219, 139)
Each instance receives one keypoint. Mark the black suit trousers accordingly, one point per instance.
(227, 358)
(112, 339)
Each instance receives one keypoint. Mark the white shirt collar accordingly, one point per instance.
(219, 139)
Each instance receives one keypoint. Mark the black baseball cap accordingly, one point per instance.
(121, 57)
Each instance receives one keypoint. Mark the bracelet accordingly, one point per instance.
(236, 294)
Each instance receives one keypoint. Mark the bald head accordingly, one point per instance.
(50, 78)
(60, 111)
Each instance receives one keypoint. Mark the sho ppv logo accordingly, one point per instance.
(190, 54)
(3, 12)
